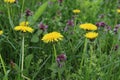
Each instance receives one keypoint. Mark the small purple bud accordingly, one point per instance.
(116, 47)
(115, 31)
(101, 24)
(107, 28)
(42, 26)
(28, 12)
(70, 23)
(117, 26)
(60, 59)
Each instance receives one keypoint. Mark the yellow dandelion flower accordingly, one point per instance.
(88, 26)
(91, 35)
(52, 37)
(118, 10)
(24, 23)
(1, 32)
(76, 11)
(9, 1)
(24, 27)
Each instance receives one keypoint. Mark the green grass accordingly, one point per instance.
(86, 60)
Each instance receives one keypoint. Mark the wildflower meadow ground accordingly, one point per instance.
(59, 40)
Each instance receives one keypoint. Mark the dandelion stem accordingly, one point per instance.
(91, 52)
(9, 16)
(22, 64)
(22, 6)
(55, 55)
(84, 51)
(75, 22)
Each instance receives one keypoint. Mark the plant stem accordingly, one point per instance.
(22, 6)
(3, 65)
(22, 64)
(55, 54)
(91, 52)
(9, 16)
(84, 51)
(75, 22)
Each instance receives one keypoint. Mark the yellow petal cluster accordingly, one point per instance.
(88, 26)
(76, 11)
(91, 35)
(24, 27)
(9, 1)
(52, 37)
(118, 10)
(24, 23)
(1, 32)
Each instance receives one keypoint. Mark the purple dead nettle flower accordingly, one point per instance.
(70, 23)
(117, 26)
(28, 12)
(42, 26)
(108, 28)
(116, 47)
(115, 30)
(100, 24)
(61, 59)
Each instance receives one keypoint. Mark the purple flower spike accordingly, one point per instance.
(42, 26)
(115, 31)
(116, 47)
(28, 12)
(60, 59)
(108, 28)
(70, 23)
(117, 26)
(101, 24)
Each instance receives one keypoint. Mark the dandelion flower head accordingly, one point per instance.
(76, 11)
(1, 32)
(52, 37)
(91, 35)
(118, 10)
(9, 1)
(88, 26)
(23, 26)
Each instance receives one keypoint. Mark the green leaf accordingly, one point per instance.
(35, 38)
(6, 75)
(39, 12)
(39, 32)
(28, 60)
